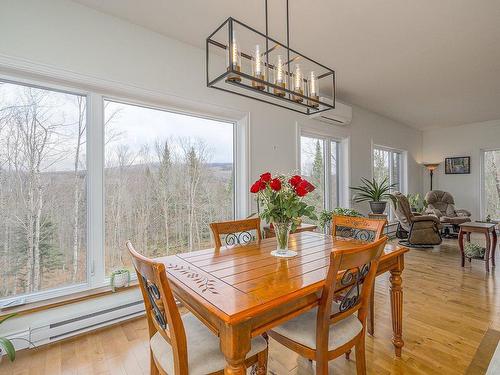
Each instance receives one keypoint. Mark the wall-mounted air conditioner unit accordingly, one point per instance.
(341, 115)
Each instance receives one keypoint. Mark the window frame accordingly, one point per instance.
(327, 140)
(96, 92)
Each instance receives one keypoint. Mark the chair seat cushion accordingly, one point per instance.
(454, 220)
(302, 329)
(204, 355)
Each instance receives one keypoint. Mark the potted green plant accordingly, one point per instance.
(120, 278)
(6, 346)
(325, 217)
(374, 192)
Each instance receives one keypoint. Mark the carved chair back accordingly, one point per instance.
(161, 310)
(359, 228)
(353, 273)
(237, 232)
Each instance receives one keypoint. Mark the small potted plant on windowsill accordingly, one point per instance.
(120, 278)
(374, 192)
(6, 346)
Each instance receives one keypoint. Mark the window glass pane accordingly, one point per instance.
(167, 177)
(380, 165)
(334, 174)
(396, 171)
(492, 184)
(313, 169)
(42, 189)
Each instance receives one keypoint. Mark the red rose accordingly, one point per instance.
(301, 191)
(275, 184)
(294, 180)
(304, 184)
(265, 177)
(255, 187)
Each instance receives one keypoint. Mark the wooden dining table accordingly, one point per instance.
(242, 291)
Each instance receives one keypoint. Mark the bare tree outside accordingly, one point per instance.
(492, 183)
(42, 175)
(167, 176)
(313, 168)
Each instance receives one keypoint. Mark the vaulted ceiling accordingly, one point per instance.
(425, 63)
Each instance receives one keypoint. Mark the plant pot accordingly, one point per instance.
(378, 207)
(120, 280)
(282, 231)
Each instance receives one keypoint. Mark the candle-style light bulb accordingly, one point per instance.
(234, 63)
(257, 69)
(297, 84)
(313, 90)
(279, 77)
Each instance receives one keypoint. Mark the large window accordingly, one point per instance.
(491, 184)
(388, 164)
(167, 177)
(42, 189)
(319, 163)
(73, 191)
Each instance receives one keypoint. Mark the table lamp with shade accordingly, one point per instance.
(431, 167)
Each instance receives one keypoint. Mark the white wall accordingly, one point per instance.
(80, 42)
(465, 140)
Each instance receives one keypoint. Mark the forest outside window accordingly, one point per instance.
(319, 163)
(167, 177)
(71, 160)
(42, 189)
(388, 164)
(491, 184)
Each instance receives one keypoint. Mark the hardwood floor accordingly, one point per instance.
(447, 310)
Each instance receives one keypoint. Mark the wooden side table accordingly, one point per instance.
(489, 230)
(269, 232)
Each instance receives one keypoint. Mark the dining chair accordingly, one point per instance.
(181, 345)
(359, 228)
(236, 232)
(331, 329)
(363, 229)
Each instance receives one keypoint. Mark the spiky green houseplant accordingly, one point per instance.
(374, 192)
(6, 345)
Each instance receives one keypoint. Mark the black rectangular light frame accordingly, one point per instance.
(285, 101)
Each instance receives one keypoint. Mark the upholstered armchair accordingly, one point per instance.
(442, 205)
(415, 230)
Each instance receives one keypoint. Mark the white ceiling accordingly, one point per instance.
(425, 63)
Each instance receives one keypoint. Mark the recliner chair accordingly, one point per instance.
(442, 205)
(414, 230)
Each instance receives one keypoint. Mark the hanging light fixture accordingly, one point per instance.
(259, 67)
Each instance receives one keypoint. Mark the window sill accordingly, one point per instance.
(64, 300)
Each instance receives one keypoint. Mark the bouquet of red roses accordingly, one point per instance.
(281, 198)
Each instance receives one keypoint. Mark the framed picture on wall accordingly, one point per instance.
(457, 165)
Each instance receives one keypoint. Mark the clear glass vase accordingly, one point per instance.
(282, 231)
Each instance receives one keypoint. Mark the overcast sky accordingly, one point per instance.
(139, 126)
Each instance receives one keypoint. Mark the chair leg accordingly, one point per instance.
(360, 356)
(262, 362)
(153, 369)
(371, 312)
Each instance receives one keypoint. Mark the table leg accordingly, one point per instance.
(493, 247)
(461, 245)
(487, 251)
(235, 344)
(397, 307)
